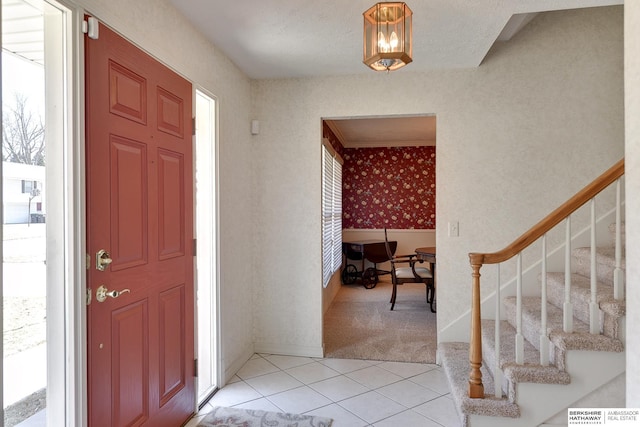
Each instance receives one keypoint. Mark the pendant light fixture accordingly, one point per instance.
(387, 36)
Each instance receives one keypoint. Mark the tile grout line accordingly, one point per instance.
(340, 372)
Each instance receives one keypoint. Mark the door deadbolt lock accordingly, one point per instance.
(103, 259)
(102, 293)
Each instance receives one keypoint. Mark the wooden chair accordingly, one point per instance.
(404, 270)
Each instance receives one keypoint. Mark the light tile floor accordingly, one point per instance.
(355, 393)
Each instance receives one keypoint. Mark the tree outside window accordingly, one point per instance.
(22, 134)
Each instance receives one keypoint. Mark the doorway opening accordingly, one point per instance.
(206, 246)
(388, 183)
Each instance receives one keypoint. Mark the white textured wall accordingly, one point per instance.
(538, 120)
(155, 26)
(610, 395)
(632, 177)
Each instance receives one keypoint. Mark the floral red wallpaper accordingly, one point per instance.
(389, 188)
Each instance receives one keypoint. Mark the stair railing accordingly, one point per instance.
(515, 249)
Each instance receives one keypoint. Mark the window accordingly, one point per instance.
(206, 245)
(29, 186)
(331, 212)
(54, 333)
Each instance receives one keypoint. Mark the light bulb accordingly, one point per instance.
(393, 40)
(383, 46)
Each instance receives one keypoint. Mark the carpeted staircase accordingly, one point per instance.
(579, 362)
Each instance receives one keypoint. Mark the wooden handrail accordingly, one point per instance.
(553, 219)
(476, 388)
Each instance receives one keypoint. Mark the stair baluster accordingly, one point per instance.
(567, 307)
(497, 376)
(618, 274)
(594, 310)
(544, 339)
(519, 336)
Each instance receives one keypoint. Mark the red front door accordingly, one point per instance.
(140, 212)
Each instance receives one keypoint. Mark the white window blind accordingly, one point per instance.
(331, 215)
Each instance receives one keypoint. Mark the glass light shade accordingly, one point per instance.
(387, 36)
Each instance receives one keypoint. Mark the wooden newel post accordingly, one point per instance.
(476, 389)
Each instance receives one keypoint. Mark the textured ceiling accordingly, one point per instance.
(298, 38)
(303, 38)
(396, 131)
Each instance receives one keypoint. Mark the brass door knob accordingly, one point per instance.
(102, 293)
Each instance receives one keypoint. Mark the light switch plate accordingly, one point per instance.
(453, 229)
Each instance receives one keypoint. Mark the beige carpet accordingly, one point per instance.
(360, 325)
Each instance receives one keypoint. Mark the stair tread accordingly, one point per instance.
(581, 293)
(604, 255)
(581, 283)
(455, 360)
(580, 339)
(531, 370)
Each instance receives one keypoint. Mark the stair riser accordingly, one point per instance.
(623, 235)
(489, 362)
(581, 301)
(611, 326)
(513, 374)
(604, 270)
(530, 329)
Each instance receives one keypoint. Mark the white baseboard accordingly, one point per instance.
(235, 365)
(266, 348)
(288, 349)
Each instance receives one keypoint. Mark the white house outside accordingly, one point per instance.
(24, 193)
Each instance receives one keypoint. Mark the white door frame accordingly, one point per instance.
(66, 271)
(207, 255)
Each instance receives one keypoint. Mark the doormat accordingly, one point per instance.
(236, 417)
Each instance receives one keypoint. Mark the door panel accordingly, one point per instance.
(172, 356)
(170, 204)
(130, 360)
(129, 200)
(170, 113)
(127, 93)
(140, 210)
